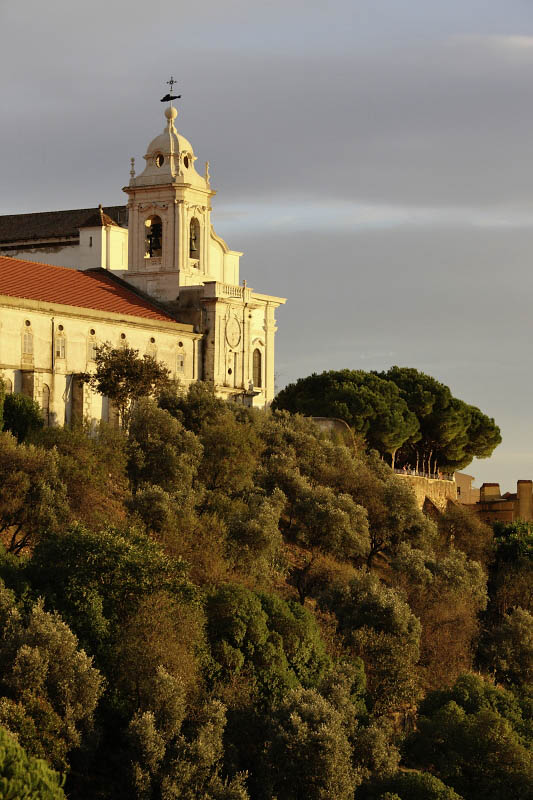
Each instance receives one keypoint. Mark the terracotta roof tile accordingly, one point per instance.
(96, 289)
(53, 224)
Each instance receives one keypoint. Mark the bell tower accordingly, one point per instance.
(169, 228)
(175, 256)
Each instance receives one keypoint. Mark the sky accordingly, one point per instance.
(372, 158)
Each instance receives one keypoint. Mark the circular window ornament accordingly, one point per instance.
(233, 332)
(159, 160)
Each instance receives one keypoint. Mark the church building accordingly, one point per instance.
(152, 275)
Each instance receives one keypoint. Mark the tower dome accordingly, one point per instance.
(169, 158)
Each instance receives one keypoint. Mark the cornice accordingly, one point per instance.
(67, 311)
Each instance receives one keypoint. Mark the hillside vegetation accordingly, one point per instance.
(219, 603)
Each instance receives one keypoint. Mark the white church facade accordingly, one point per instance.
(153, 275)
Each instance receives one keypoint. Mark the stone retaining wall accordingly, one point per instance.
(439, 492)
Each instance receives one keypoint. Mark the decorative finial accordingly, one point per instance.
(168, 98)
(132, 170)
(171, 113)
(207, 176)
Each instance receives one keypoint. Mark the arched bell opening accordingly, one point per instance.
(153, 237)
(194, 239)
(258, 368)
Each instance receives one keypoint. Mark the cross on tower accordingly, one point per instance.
(168, 98)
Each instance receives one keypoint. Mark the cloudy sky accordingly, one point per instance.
(373, 159)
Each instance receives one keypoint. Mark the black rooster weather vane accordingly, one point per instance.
(168, 98)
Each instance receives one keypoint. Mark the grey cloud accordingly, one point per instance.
(440, 125)
(412, 109)
(453, 303)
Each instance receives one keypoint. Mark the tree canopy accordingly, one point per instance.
(402, 413)
(476, 738)
(23, 777)
(451, 432)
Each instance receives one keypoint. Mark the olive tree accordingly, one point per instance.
(124, 377)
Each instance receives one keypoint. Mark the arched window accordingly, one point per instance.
(194, 238)
(257, 372)
(8, 385)
(45, 403)
(153, 237)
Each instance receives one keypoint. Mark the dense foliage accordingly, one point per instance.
(217, 603)
(24, 777)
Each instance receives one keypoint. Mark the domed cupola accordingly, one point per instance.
(169, 159)
(169, 217)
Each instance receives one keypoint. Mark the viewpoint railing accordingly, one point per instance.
(417, 473)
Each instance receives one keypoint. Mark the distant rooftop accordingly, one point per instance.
(55, 224)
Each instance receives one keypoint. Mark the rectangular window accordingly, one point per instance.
(180, 363)
(60, 347)
(27, 347)
(91, 351)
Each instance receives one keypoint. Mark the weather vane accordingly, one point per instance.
(168, 98)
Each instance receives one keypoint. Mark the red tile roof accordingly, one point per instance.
(96, 289)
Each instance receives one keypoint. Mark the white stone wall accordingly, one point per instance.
(63, 256)
(173, 344)
(103, 246)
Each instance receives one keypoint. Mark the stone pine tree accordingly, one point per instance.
(370, 405)
(404, 414)
(451, 432)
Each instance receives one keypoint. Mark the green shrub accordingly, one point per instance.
(22, 416)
